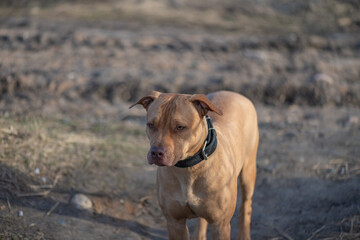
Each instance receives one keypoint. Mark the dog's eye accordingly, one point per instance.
(180, 128)
(151, 126)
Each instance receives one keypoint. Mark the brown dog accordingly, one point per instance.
(202, 159)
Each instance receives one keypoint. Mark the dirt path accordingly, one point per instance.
(301, 187)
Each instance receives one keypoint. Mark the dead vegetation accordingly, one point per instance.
(43, 150)
(11, 228)
(349, 230)
(338, 169)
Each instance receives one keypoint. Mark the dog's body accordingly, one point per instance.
(177, 129)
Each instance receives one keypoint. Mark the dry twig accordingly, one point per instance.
(34, 194)
(316, 232)
(8, 204)
(41, 194)
(282, 233)
(52, 209)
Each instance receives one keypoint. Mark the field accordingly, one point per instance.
(69, 70)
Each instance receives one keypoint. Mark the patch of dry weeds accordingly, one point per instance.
(37, 152)
(16, 230)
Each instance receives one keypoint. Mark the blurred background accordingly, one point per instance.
(69, 70)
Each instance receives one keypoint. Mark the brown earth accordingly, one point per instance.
(70, 70)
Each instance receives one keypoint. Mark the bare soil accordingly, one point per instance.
(70, 70)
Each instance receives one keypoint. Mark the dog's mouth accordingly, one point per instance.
(163, 161)
(160, 165)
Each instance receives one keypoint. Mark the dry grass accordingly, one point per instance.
(337, 169)
(17, 230)
(347, 229)
(36, 152)
(230, 15)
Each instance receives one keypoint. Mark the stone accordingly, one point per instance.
(80, 201)
(322, 77)
(344, 22)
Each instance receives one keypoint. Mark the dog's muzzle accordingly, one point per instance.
(158, 156)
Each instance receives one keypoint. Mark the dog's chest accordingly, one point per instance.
(188, 194)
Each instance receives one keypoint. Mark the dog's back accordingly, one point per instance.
(238, 124)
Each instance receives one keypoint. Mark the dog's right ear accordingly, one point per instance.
(203, 104)
(147, 100)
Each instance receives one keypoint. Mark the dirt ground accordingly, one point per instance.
(69, 70)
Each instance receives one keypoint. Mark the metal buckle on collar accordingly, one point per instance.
(203, 151)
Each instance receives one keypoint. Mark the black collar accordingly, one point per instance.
(208, 148)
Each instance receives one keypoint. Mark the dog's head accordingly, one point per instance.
(175, 125)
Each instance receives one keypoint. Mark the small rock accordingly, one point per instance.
(80, 201)
(353, 120)
(61, 222)
(71, 75)
(322, 77)
(348, 121)
(20, 213)
(344, 22)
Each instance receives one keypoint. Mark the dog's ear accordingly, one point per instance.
(203, 104)
(147, 100)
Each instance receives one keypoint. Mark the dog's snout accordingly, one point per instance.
(159, 156)
(157, 152)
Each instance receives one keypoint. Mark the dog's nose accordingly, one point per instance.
(157, 152)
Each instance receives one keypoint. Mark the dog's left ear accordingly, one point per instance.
(147, 100)
(203, 104)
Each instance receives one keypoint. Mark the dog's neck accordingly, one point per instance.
(208, 147)
(201, 139)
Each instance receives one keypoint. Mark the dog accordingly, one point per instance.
(202, 145)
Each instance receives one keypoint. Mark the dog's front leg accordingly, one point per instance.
(200, 231)
(220, 230)
(177, 229)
